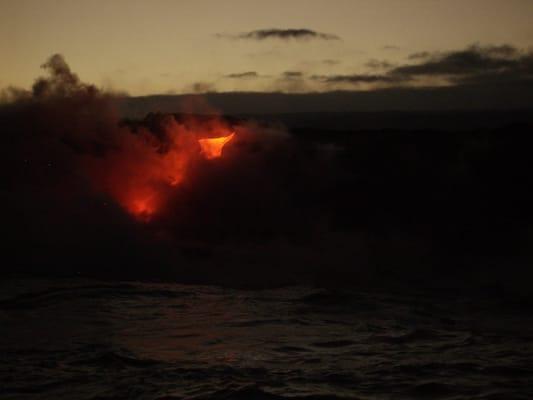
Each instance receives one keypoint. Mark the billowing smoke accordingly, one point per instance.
(90, 191)
(64, 123)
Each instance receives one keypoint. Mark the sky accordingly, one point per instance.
(163, 46)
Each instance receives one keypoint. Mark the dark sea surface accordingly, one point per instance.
(80, 339)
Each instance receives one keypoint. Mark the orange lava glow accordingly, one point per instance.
(143, 170)
(142, 203)
(212, 147)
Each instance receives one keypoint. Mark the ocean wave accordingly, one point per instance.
(145, 341)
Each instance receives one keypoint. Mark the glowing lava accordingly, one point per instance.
(143, 207)
(143, 170)
(212, 147)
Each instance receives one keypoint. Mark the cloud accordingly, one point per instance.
(331, 62)
(472, 64)
(242, 75)
(200, 87)
(292, 75)
(377, 64)
(356, 79)
(419, 55)
(386, 97)
(390, 47)
(291, 82)
(282, 34)
(470, 60)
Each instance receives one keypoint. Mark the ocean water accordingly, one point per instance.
(79, 339)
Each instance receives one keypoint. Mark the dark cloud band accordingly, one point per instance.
(283, 34)
(359, 78)
(472, 65)
(242, 75)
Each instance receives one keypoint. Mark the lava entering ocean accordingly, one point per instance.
(142, 173)
(77, 151)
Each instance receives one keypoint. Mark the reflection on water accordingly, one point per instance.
(88, 340)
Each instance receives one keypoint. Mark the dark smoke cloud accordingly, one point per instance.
(62, 81)
(242, 75)
(11, 94)
(65, 109)
(52, 130)
(283, 34)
